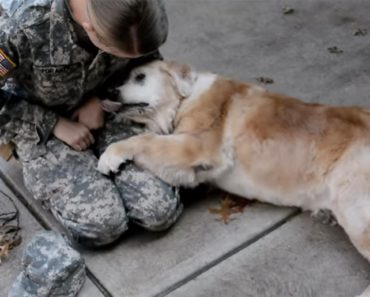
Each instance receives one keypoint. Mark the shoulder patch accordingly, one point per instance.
(6, 64)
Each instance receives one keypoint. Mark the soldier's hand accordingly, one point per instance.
(75, 134)
(90, 114)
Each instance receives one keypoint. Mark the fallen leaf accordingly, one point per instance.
(288, 10)
(265, 80)
(4, 251)
(335, 50)
(360, 32)
(230, 205)
(9, 239)
(6, 151)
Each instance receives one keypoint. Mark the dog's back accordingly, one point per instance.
(269, 146)
(250, 142)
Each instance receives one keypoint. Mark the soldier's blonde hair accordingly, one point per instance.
(133, 26)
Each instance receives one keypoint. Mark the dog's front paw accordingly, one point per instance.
(111, 160)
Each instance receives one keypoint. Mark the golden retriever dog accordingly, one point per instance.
(247, 141)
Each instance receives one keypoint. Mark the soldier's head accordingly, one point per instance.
(126, 28)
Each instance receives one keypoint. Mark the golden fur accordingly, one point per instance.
(256, 144)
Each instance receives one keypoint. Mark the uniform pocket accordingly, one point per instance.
(59, 85)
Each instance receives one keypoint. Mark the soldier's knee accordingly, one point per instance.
(162, 216)
(98, 230)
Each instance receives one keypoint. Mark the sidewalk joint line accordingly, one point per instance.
(227, 255)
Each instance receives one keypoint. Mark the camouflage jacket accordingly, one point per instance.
(41, 53)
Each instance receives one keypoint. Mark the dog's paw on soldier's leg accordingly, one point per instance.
(111, 160)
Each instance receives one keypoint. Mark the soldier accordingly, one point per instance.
(57, 59)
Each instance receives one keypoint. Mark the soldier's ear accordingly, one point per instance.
(110, 106)
(88, 27)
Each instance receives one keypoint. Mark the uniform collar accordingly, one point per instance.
(80, 36)
(62, 35)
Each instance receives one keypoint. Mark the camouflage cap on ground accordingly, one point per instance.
(50, 268)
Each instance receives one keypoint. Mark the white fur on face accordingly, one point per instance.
(145, 85)
(150, 85)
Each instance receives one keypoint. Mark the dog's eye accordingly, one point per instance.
(140, 77)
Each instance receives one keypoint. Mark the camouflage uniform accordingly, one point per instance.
(56, 69)
(50, 268)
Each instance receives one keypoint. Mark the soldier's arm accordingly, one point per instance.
(18, 117)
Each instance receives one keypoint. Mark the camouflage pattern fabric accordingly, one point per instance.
(149, 201)
(93, 207)
(57, 68)
(50, 268)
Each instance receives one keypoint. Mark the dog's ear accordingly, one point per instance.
(182, 76)
(110, 106)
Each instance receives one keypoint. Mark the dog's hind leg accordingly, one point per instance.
(362, 243)
(359, 234)
(352, 210)
(174, 158)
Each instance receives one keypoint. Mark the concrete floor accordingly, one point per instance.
(246, 39)
(266, 251)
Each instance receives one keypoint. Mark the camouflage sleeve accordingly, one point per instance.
(18, 117)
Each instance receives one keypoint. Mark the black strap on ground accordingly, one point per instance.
(9, 224)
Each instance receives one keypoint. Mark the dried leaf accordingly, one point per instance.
(6, 151)
(16, 242)
(230, 205)
(6, 247)
(288, 10)
(335, 50)
(360, 32)
(4, 251)
(265, 80)
(9, 239)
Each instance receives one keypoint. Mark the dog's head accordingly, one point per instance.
(153, 93)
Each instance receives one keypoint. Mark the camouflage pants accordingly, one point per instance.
(95, 208)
